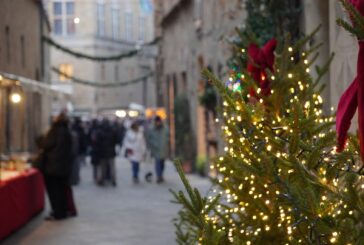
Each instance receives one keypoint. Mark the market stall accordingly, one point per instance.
(21, 195)
(25, 109)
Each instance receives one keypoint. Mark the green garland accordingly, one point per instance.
(103, 85)
(80, 55)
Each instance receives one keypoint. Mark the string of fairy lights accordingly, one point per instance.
(264, 137)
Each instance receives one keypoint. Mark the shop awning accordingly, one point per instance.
(8, 79)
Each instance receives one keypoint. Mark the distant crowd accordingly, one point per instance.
(68, 143)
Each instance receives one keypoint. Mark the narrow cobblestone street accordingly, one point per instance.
(128, 214)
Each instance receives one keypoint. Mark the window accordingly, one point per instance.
(67, 72)
(37, 77)
(22, 51)
(63, 17)
(116, 73)
(146, 6)
(7, 37)
(184, 82)
(70, 18)
(128, 26)
(198, 14)
(115, 21)
(100, 9)
(130, 72)
(141, 28)
(57, 18)
(102, 71)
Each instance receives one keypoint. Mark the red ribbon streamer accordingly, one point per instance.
(353, 98)
(261, 59)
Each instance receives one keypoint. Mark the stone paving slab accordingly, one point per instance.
(126, 215)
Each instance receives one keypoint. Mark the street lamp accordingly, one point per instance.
(15, 98)
(76, 20)
(133, 113)
(120, 113)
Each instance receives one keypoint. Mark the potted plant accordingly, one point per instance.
(184, 138)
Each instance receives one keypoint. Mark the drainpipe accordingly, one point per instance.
(41, 29)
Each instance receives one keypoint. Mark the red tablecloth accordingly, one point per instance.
(21, 198)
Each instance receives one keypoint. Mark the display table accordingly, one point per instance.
(21, 198)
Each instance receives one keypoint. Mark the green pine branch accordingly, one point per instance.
(357, 28)
(191, 226)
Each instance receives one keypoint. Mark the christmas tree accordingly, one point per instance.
(281, 179)
(266, 19)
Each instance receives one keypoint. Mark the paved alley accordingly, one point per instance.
(128, 214)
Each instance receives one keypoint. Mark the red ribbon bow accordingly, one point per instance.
(352, 98)
(261, 59)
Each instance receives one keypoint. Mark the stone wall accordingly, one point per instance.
(192, 40)
(19, 24)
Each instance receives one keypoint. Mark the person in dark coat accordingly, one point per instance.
(106, 143)
(79, 128)
(79, 148)
(120, 131)
(94, 149)
(57, 148)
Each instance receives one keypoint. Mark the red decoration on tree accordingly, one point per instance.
(261, 59)
(352, 98)
(358, 4)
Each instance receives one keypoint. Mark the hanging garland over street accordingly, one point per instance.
(103, 85)
(80, 55)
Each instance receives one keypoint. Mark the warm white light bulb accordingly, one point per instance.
(120, 113)
(15, 98)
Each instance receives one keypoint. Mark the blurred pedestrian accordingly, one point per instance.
(79, 128)
(57, 148)
(106, 142)
(75, 170)
(157, 138)
(94, 149)
(120, 133)
(147, 125)
(134, 148)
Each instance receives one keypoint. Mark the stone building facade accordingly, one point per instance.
(23, 56)
(193, 34)
(21, 45)
(102, 28)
